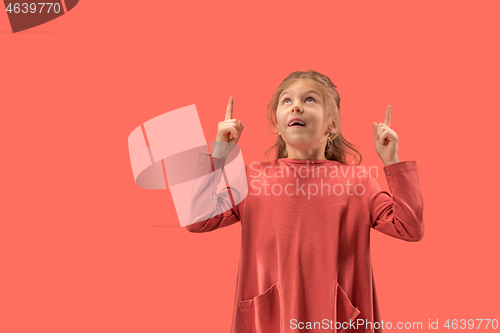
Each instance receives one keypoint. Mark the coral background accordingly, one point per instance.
(84, 249)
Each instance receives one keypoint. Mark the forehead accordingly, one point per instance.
(301, 85)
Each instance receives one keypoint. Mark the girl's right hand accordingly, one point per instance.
(228, 130)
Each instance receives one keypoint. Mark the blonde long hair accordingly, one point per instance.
(336, 149)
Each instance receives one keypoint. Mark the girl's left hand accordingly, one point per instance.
(386, 140)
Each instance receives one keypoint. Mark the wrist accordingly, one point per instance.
(217, 153)
(391, 162)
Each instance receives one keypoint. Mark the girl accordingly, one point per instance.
(305, 258)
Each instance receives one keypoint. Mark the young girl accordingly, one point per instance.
(305, 258)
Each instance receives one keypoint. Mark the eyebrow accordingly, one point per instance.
(307, 92)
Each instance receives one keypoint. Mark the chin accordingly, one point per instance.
(297, 142)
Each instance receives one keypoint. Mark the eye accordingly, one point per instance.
(306, 99)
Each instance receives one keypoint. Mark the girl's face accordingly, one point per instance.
(301, 100)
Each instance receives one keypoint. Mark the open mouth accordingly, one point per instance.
(296, 123)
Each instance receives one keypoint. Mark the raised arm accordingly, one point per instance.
(208, 209)
(401, 214)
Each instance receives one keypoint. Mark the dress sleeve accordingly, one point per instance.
(208, 209)
(398, 215)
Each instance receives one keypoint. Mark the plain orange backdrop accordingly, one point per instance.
(84, 249)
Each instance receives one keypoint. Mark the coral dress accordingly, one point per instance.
(305, 261)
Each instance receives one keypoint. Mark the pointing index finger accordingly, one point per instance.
(387, 119)
(229, 110)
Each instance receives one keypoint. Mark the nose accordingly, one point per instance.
(297, 108)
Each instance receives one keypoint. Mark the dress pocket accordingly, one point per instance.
(261, 314)
(344, 311)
